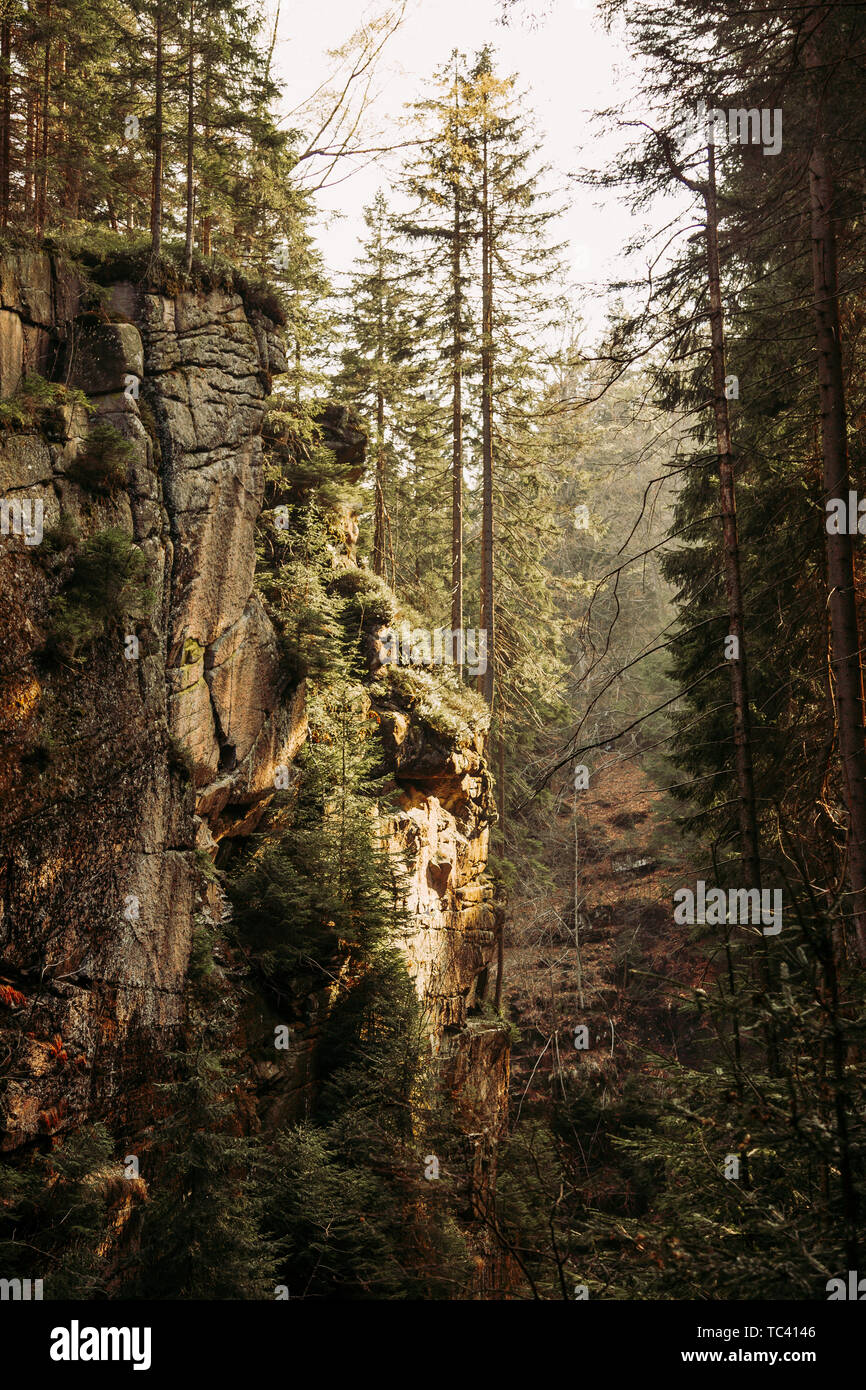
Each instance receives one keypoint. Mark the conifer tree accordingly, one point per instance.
(380, 371)
(517, 267)
(202, 1234)
(445, 225)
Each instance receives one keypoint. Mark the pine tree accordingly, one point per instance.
(443, 222)
(380, 372)
(202, 1234)
(54, 1215)
(517, 267)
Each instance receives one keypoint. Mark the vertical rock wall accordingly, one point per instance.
(99, 816)
(114, 771)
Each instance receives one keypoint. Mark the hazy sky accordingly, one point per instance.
(569, 66)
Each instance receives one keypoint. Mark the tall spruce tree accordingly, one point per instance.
(444, 222)
(380, 371)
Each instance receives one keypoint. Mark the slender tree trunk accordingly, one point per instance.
(5, 118)
(580, 999)
(457, 437)
(29, 145)
(846, 663)
(500, 769)
(457, 399)
(379, 537)
(270, 57)
(499, 910)
(380, 541)
(158, 136)
(499, 919)
(486, 680)
(42, 176)
(206, 222)
(748, 819)
(750, 853)
(190, 141)
(61, 136)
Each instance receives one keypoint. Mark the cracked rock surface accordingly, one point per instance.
(99, 815)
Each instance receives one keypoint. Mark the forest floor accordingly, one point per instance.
(637, 965)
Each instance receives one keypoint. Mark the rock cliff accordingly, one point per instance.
(123, 767)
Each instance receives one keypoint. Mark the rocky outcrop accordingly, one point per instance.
(119, 769)
(113, 771)
(442, 833)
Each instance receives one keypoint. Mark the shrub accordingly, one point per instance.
(106, 588)
(201, 961)
(258, 294)
(61, 536)
(55, 1214)
(102, 464)
(33, 403)
(370, 602)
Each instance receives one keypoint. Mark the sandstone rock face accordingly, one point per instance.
(443, 834)
(116, 770)
(99, 816)
(11, 352)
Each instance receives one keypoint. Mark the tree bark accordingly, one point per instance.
(41, 207)
(457, 401)
(845, 660)
(158, 136)
(206, 222)
(500, 770)
(190, 140)
(499, 928)
(487, 615)
(457, 438)
(30, 145)
(576, 876)
(750, 852)
(748, 819)
(379, 538)
(5, 119)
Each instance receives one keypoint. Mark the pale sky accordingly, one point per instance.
(569, 66)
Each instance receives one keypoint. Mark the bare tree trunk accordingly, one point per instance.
(499, 927)
(5, 118)
(61, 137)
(190, 141)
(486, 680)
(457, 396)
(204, 231)
(457, 438)
(158, 136)
(379, 537)
(29, 145)
(500, 770)
(580, 999)
(750, 853)
(748, 819)
(270, 57)
(846, 664)
(42, 175)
